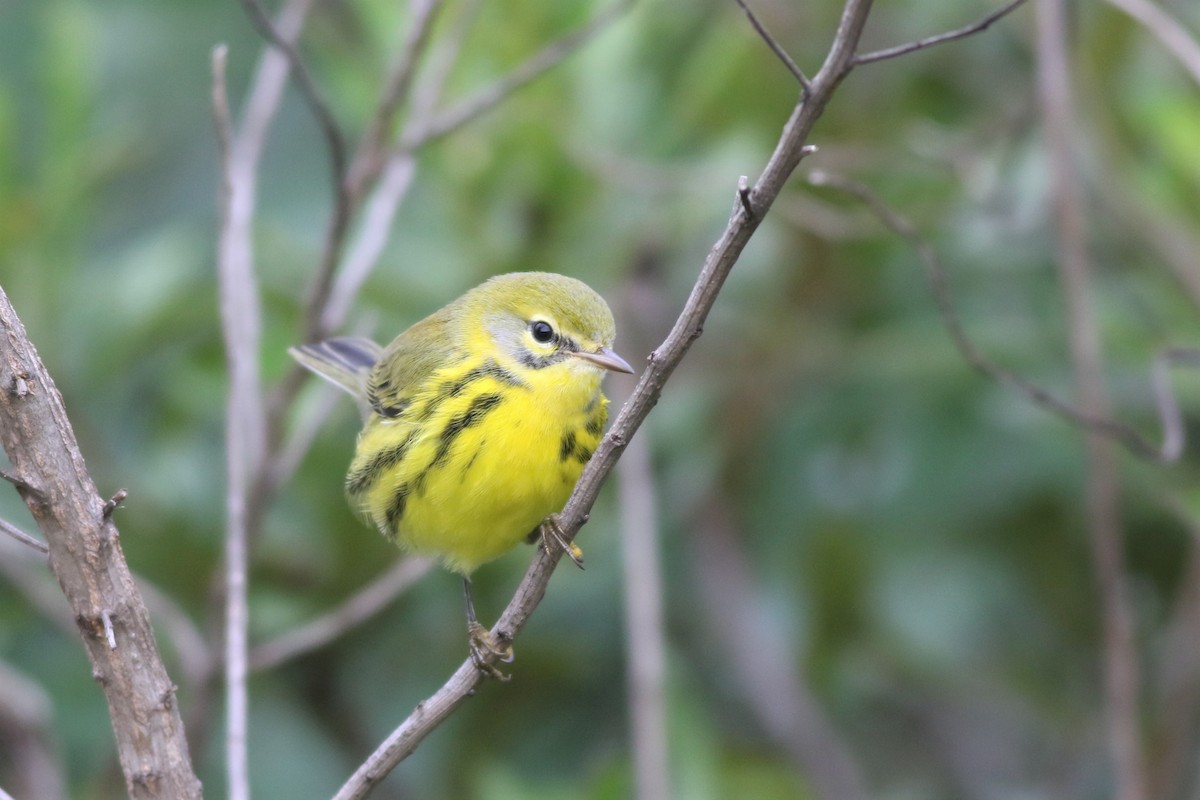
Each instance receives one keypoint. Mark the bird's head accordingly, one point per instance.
(540, 319)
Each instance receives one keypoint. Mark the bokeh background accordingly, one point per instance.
(862, 540)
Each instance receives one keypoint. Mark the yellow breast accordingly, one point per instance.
(479, 458)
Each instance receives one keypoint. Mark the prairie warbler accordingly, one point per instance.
(478, 421)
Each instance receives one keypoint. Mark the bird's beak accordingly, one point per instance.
(606, 359)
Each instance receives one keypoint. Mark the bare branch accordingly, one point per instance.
(23, 537)
(930, 41)
(935, 272)
(1167, 30)
(370, 155)
(485, 100)
(308, 87)
(245, 431)
(372, 237)
(389, 192)
(662, 363)
(776, 48)
(86, 557)
(360, 607)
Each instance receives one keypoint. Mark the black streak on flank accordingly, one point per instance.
(567, 446)
(480, 407)
(363, 478)
(595, 425)
(396, 508)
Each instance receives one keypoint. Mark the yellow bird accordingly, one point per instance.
(478, 422)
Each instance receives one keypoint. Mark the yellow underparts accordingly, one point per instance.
(479, 458)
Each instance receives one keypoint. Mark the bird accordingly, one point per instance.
(477, 423)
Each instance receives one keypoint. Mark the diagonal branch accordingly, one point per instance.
(486, 99)
(23, 537)
(369, 158)
(775, 46)
(743, 221)
(308, 87)
(361, 606)
(930, 41)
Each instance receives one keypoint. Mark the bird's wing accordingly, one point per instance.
(411, 358)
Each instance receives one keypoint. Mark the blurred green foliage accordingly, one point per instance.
(915, 532)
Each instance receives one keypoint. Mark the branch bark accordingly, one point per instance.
(748, 211)
(86, 557)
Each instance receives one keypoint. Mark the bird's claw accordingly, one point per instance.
(552, 536)
(486, 650)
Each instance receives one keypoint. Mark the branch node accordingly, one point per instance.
(109, 634)
(28, 491)
(113, 503)
(167, 698)
(744, 196)
(20, 384)
(99, 677)
(147, 777)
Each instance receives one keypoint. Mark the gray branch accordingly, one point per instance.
(86, 557)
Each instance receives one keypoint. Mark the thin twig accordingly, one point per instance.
(1167, 30)
(23, 537)
(368, 245)
(397, 89)
(361, 606)
(393, 182)
(662, 363)
(1169, 415)
(1122, 685)
(775, 46)
(334, 139)
(364, 172)
(930, 41)
(486, 99)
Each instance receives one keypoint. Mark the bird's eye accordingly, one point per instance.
(542, 332)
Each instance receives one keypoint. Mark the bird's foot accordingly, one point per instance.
(486, 650)
(551, 534)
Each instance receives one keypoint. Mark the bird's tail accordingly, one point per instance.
(345, 361)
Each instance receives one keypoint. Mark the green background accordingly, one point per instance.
(913, 534)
